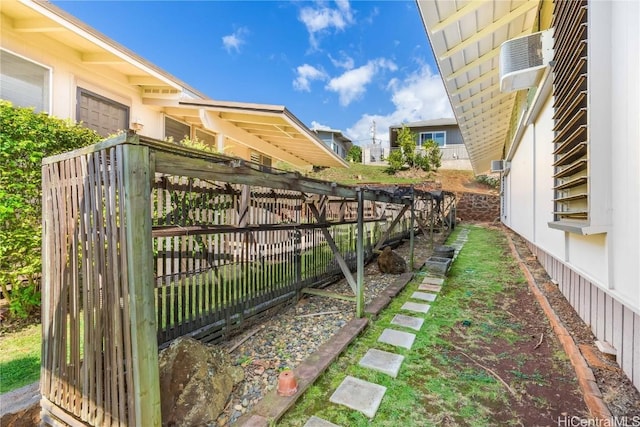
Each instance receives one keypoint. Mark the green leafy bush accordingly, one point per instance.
(427, 158)
(489, 180)
(26, 138)
(355, 154)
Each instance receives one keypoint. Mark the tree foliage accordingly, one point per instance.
(427, 157)
(26, 138)
(355, 154)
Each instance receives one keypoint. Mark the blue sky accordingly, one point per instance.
(336, 64)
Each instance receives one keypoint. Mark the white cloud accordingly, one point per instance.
(352, 84)
(321, 18)
(316, 125)
(305, 75)
(347, 62)
(234, 40)
(420, 96)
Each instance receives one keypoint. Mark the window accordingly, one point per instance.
(101, 114)
(261, 159)
(439, 137)
(176, 130)
(24, 83)
(571, 194)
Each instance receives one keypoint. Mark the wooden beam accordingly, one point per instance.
(218, 124)
(147, 81)
(360, 258)
(477, 81)
(139, 253)
(336, 252)
(491, 28)
(101, 58)
(457, 15)
(395, 221)
(476, 63)
(37, 25)
(323, 293)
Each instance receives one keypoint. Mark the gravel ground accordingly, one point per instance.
(292, 335)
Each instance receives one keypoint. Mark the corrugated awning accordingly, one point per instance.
(465, 37)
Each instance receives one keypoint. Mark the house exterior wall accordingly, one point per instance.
(454, 137)
(68, 72)
(598, 273)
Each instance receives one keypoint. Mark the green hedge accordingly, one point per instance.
(26, 138)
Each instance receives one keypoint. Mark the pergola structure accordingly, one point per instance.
(145, 241)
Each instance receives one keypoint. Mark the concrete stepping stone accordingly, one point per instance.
(359, 395)
(382, 361)
(432, 288)
(397, 338)
(318, 422)
(433, 281)
(415, 307)
(407, 321)
(424, 296)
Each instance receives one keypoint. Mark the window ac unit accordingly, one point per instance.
(497, 166)
(523, 60)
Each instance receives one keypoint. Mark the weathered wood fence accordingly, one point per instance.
(144, 241)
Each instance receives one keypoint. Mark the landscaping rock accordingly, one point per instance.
(390, 262)
(195, 382)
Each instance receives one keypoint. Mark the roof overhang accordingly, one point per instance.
(465, 37)
(42, 19)
(270, 129)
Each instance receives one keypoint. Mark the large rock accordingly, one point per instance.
(195, 382)
(391, 262)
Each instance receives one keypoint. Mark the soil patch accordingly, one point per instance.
(619, 394)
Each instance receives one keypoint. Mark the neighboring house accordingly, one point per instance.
(445, 132)
(335, 140)
(59, 65)
(569, 143)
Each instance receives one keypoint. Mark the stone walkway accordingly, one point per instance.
(364, 396)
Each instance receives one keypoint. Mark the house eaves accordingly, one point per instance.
(465, 37)
(270, 129)
(94, 48)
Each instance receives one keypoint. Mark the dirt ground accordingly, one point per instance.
(619, 394)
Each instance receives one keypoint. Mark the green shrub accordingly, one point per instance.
(428, 157)
(489, 180)
(355, 154)
(26, 138)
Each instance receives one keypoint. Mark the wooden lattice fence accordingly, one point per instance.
(145, 241)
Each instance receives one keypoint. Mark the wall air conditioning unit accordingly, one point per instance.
(523, 60)
(497, 166)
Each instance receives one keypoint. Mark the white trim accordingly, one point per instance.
(433, 132)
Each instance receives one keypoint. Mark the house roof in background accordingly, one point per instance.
(448, 121)
(94, 48)
(465, 37)
(271, 129)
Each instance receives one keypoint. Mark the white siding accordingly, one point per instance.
(521, 196)
(625, 142)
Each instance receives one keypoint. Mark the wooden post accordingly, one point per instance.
(360, 257)
(411, 227)
(146, 377)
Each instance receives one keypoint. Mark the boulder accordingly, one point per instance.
(195, 382)
(390, 262)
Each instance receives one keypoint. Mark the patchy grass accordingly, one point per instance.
(435, 385)
(20, 358)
